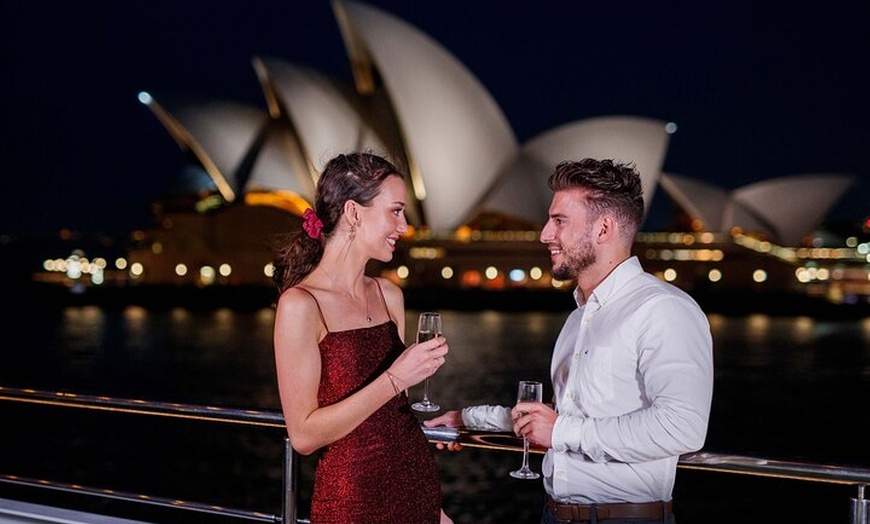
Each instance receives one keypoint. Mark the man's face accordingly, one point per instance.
(568, 235)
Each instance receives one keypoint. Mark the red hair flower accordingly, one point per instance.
(311, 223)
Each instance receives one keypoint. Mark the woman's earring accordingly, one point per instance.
(352, 233)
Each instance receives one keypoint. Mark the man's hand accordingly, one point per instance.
(450, 419)
(535, 421)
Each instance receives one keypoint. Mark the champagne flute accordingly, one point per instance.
(428, 327)
(528, 391)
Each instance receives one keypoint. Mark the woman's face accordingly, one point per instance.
(383, 222)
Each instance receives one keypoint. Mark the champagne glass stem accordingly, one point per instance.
(426, 390)
(425, 404)
(525, 453)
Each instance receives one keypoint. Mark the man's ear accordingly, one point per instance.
(606, 228)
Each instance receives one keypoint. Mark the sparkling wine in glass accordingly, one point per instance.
(528, 391)
(428, 327)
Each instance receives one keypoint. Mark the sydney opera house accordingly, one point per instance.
(477, 197)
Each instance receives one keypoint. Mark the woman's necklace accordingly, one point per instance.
(368, 315)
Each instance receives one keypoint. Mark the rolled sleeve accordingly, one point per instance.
(488, 418)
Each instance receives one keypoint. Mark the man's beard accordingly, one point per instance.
(576, 260)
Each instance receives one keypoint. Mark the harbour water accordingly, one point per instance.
(786, 387)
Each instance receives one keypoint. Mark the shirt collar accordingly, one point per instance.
(625, 271)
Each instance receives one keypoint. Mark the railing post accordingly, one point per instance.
(291, 477)
(860, 508)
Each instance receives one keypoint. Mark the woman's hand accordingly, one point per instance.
(419, 361)
(449, 446)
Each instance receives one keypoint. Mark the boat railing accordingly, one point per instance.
(288, 513)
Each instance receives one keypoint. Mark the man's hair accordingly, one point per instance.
(610, 187)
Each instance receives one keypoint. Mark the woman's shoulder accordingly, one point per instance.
(295, 293)
(297, 300)
(390, 290)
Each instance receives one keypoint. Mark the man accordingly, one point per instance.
(632, 369)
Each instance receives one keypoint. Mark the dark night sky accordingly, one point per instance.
(757, 92)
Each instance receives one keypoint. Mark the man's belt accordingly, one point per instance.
(620, 510)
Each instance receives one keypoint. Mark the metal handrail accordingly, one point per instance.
(150, 500)
(704, 461)
(247, 417)
(250, 417)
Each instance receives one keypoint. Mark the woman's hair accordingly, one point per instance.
(610, 187)
(352, 176)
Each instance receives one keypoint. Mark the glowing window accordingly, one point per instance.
(517, 275)
(207, 274)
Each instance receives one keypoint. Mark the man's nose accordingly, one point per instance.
(546, 235)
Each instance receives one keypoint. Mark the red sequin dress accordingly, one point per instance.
(384, 471)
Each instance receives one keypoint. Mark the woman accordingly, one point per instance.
(341, 362)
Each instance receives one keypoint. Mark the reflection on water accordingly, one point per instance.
(786, 387)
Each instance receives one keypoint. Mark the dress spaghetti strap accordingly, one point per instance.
(383, 299)
(322, 318)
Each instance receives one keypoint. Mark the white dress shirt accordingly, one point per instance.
(632, 375)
